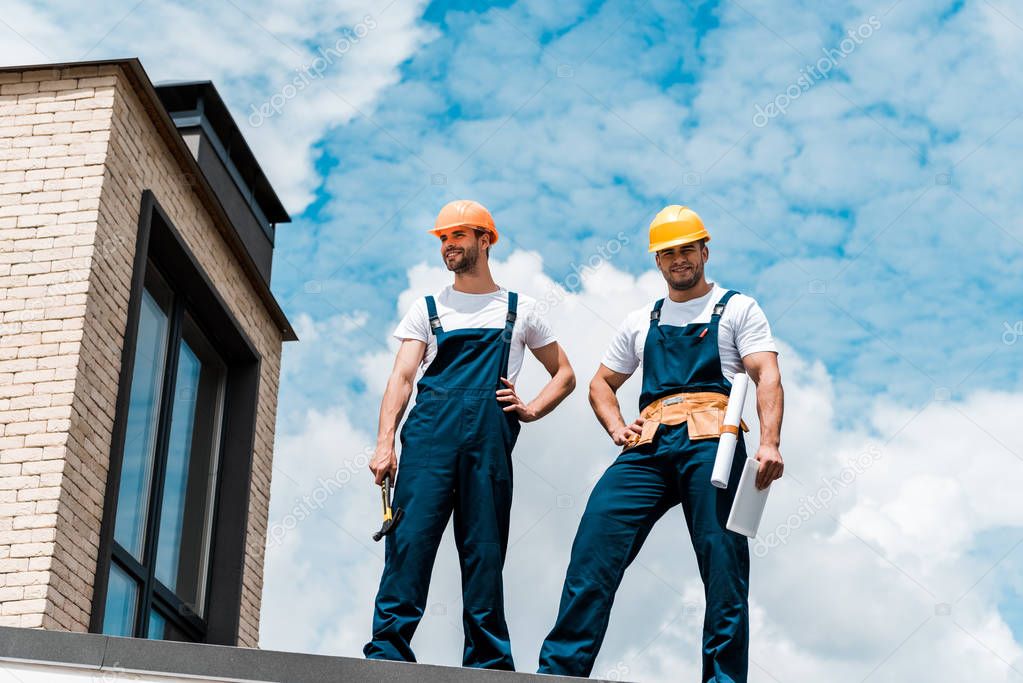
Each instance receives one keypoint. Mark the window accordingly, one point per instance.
(164, 517)
(172, 544)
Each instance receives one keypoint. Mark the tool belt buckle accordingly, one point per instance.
(673, 400)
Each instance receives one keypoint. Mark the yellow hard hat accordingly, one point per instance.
(465, 213)
(675, 225)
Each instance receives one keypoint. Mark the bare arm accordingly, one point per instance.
(762, 368)
(392, 407)
(561, 384)
(604, 400)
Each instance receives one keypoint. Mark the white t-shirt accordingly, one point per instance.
(742, 330)
(458, 310)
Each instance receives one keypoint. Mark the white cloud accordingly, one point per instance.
(252, 51)
(836, 599)
(847, 189)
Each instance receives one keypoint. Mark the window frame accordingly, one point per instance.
(159, 245)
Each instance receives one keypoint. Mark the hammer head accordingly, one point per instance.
(389, 524)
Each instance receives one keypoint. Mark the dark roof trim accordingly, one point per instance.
(132, 68)
(227, 134)
(95, 651)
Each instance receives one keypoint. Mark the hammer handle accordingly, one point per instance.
(385, 495)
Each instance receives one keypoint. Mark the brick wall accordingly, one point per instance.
(77, 148)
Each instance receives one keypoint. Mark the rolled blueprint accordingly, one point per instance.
(748, 506)
(726, 444)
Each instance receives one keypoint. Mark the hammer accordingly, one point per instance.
(391, 517)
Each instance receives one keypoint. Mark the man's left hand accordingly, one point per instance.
(771, 465)
(514, 403)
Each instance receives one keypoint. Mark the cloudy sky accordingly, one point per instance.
(857, 164)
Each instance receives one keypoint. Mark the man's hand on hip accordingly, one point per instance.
(513, 403)
(626, 433)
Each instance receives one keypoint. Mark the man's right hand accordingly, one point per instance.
(384, 464)
(627, 433)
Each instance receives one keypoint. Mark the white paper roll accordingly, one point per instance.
(748, 506)
(726, 444)
(723, 461)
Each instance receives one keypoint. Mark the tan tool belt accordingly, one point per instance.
(703, 410)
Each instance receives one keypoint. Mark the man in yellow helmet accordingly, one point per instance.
(690, 344)
(468, 342)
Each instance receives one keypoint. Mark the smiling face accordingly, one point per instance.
(460, 248)
(682, 266)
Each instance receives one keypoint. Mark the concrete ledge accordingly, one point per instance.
(93, 651)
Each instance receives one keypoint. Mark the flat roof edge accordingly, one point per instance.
(162, 657)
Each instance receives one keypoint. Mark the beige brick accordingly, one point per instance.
(38, 570)
(32, 593)
(25, 428)
(18, 364)
(27, 402)
(69, 84)
(45, 507)
(35, 522)
(54, 106)
(25, 550)
(22, 607)
(36, 220)
(48, 493)
(41, 75)
(63, 183)
(17, 483)
(98, 82)
(9, 564)
(89, 71)
(45, 439)
(50, 413)
(12, 593)
(20, 455)
(39, 350)
(76, 94)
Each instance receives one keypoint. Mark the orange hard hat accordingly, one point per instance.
(465, 213)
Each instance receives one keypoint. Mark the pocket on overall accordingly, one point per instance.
(691, 346)
(705, 423)
(419, 432)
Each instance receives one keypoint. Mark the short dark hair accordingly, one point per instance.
(483, 231)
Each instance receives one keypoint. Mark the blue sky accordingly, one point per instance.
(876, 220)
(845, 189)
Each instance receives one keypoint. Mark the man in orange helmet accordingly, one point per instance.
(469, 341)
(690, 344)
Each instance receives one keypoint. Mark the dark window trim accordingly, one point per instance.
(159, 241)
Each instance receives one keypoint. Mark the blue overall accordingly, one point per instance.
(637, 489)
(456, 457)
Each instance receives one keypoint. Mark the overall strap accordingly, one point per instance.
(509, 320)
(431, 310)
(655, 314)
(719, 307)
(506, 336)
